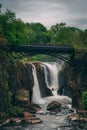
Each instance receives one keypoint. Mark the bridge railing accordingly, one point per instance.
(39, 49)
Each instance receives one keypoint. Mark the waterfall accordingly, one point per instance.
(36, 98)
(53, 71)
(46, 75)
(51, 79)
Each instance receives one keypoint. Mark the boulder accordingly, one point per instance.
(54, 107)
(31, 120)
(74, 117)
(15, 120)
(34, 108)
(35, 121)
(27, 118)
(82, 113)
(27, 114)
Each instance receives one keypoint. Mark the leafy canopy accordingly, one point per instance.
(15, 31)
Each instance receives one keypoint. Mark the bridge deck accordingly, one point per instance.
(39, 49)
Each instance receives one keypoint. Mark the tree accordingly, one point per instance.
(5, 21)
(10, 16)
(3, 39)
(16, 32)
(40, 32)
(62, 34)
(54, 33)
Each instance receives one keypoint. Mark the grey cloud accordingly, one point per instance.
(48, 12)
(81, 22)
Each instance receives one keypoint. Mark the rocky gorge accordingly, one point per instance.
(18, 76)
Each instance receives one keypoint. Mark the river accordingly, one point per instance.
(59, 121)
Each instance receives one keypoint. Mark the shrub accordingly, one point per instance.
(14, 111)
(84, 99)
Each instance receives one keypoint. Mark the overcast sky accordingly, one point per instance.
(49, 12)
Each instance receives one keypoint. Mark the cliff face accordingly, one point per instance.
(76, 80)
(20, 77)
(13, 77)
(17, 76)
(3, 82)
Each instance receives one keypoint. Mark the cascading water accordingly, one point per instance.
(53, 71)
(52, 83)
(36, 98)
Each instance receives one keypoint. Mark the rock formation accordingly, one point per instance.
(73, 80)
(54, 107)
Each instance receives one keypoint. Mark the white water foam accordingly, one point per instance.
(36, 98)
(62, 99)
(54, 68)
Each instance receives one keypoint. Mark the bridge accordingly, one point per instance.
(39, 49)
(57, 51)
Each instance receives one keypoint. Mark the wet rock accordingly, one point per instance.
(19, 121)
(54, 107)
(15, 120)
(3, 117)
(5, 122)
(35, 121)
(27, 118)
(55, 111)
(40, 112)
(27, 114)
(78, 122)
(74, 117)
(31, 120)
(34, 108)
(80, 116)
(82, 113)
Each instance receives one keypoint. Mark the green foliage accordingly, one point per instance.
(15, 31)
(22, 93)
(84, 99)
(14, 111)
(42, 58)
(9, 99)
(39, 32)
